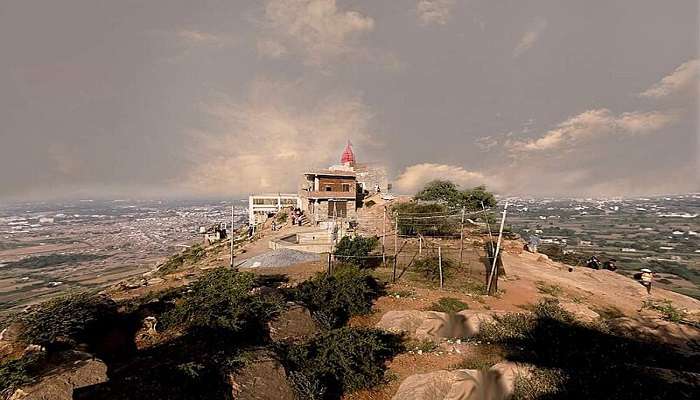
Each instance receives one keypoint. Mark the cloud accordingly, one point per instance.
(315, 28)
(593, 124)
(271, 48)
(486, 143)
(415, 176)
(194, 37)
(684, 78)
(434, 11)
(530, 37)
(266, 141)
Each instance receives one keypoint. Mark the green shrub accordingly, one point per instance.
(190, 255)
(429, 267)
(425, 219)
(667, 310)
(545, 288)
(342, 361)
(18, 372)
(333, 299)
(542, 383)
(67, 320)
(355, 251)
(222, 299)
(448, 193)
(281, 217)
(449, 305)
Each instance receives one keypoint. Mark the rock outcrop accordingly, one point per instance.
(496, 383)
(262, 378)
(580, 311)
(73, 370)
(292, 324)
(432, 325)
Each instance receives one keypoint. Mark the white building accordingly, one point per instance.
(262, 205)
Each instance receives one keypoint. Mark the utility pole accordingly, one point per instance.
(396, 242)
(488, 225)
(384, 238)
(232, 235)
(440, 265)
(461, 239)
(498, 248)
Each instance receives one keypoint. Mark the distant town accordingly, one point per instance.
(658, 232)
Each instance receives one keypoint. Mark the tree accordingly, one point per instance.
(448, 193)
(439, 190)
(356, 251)
(471, 199)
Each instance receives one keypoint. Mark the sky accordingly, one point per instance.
(213, 98)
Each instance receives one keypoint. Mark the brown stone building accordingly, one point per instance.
(328, 194)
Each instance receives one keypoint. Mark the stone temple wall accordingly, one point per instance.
(372, 175)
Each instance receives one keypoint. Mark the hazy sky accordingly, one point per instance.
(217, 98)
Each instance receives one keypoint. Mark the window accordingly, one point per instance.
(329, 188)
(346, 187)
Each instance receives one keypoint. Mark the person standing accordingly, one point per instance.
(647, 277)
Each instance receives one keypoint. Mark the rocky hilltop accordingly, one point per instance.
(286, 327)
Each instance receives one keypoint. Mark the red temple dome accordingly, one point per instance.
(348, 156)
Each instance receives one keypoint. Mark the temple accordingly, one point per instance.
(327, 194)
(337, 192)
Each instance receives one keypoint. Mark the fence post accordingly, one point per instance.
(396, 243)
(384, 238)
(498, 248)
(461, 239)
(440, 265)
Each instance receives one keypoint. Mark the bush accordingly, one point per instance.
(281, 217)
(449, 305)
(429, 267)
(190, 255)
(19, 372)
(223, 300)
(545, 288)
(334, 299)
(341, 361)
(67, 320)
(417, 218)
(354, 251)
(448, 193)
(667, 310)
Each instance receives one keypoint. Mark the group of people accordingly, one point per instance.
(297, 215)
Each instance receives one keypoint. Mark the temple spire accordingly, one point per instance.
(348, 156)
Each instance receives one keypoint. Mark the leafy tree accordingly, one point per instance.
(448, 193)
(342, 360)
(335, 298)
(425, 219)
(223, 300)
(67, 320)
(354, 251)
(471, 199)
(439, 190)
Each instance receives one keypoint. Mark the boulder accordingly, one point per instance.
(657, 330)
(10, 342)
(432, 325)
(580, 311)
(496, 383)
(262, 378)
(72, 370)
(293, 324)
